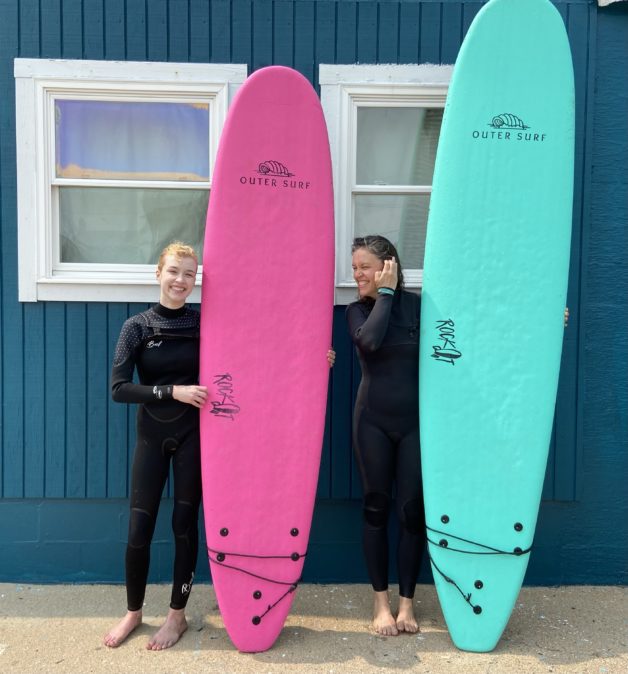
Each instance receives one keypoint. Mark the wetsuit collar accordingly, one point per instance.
(169, 313)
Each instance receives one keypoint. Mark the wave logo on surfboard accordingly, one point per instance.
(273, 168)
(509, 127)
(446, 351)
(508, 121)
(274, 174)
(224, 405)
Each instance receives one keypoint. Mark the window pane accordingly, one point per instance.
(402, 219)
(128, 226)
(397, 146)
(117, 140)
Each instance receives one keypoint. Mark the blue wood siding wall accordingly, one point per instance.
(60, 434)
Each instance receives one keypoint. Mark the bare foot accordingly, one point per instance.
(406, 621)
(170, 632)
(383, 621)
(121, 631)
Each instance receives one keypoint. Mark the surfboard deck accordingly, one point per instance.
(494, 292)
(267, 301)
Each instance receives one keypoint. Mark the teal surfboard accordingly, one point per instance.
(494, 292)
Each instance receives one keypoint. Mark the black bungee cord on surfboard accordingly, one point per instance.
(487, 550)
(220, 557)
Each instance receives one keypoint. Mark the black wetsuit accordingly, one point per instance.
(386, 432)
(163, 344)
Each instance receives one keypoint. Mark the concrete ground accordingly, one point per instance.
(59, 628)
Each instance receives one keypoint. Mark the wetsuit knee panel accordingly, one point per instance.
(183, 518)
(412, 516)
(376, 509)
(141, 528)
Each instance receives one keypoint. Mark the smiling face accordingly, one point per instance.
(176, 280)
(364, 265)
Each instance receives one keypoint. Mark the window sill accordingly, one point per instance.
(102, 290)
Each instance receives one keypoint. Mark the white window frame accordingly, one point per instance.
(345, 88)
(37, 83)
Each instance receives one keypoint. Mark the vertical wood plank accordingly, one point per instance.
(29, 29)
(221, 32)
(117, 419)
(115, 30)
(34, 396)
(388, 33)
(51, 30)
(136, 30)
(54, 399)
(356, 377)
(75, 402)
(429, 41)
(242, 32)
(341, 408)
(131, 410)
(93, 29)
(283, 34)
(325, 36)
(178, 31)
(157, 30)
(409, 33)
(346, 32)
(367, 32)
(200, 31)
(97, 399)
(11, 332)
(304, 39)
(262, 34)
(568, 408)
(451, 32)
(72, 32)
(323, 489)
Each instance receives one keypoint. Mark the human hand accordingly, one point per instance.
(190, 395)
(331, 357)
(566, 316)
(387, 277)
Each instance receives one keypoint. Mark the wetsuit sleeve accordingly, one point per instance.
(368, 331)
(123, 389)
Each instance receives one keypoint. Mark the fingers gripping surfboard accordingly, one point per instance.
(494, 291)
(267, 300)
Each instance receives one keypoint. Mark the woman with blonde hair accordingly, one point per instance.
(162, 344)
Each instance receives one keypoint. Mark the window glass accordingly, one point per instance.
(127, 140)
(400, 218)
(128, 225)
(396, 146)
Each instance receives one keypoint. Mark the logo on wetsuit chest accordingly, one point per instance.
(446, 351)
(153, 344)
(224, 405)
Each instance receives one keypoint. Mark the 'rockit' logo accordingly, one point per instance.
(224, 404)
(274, 174)
(445, 351)
(509, 127)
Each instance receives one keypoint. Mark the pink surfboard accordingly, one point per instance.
(267, 302)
